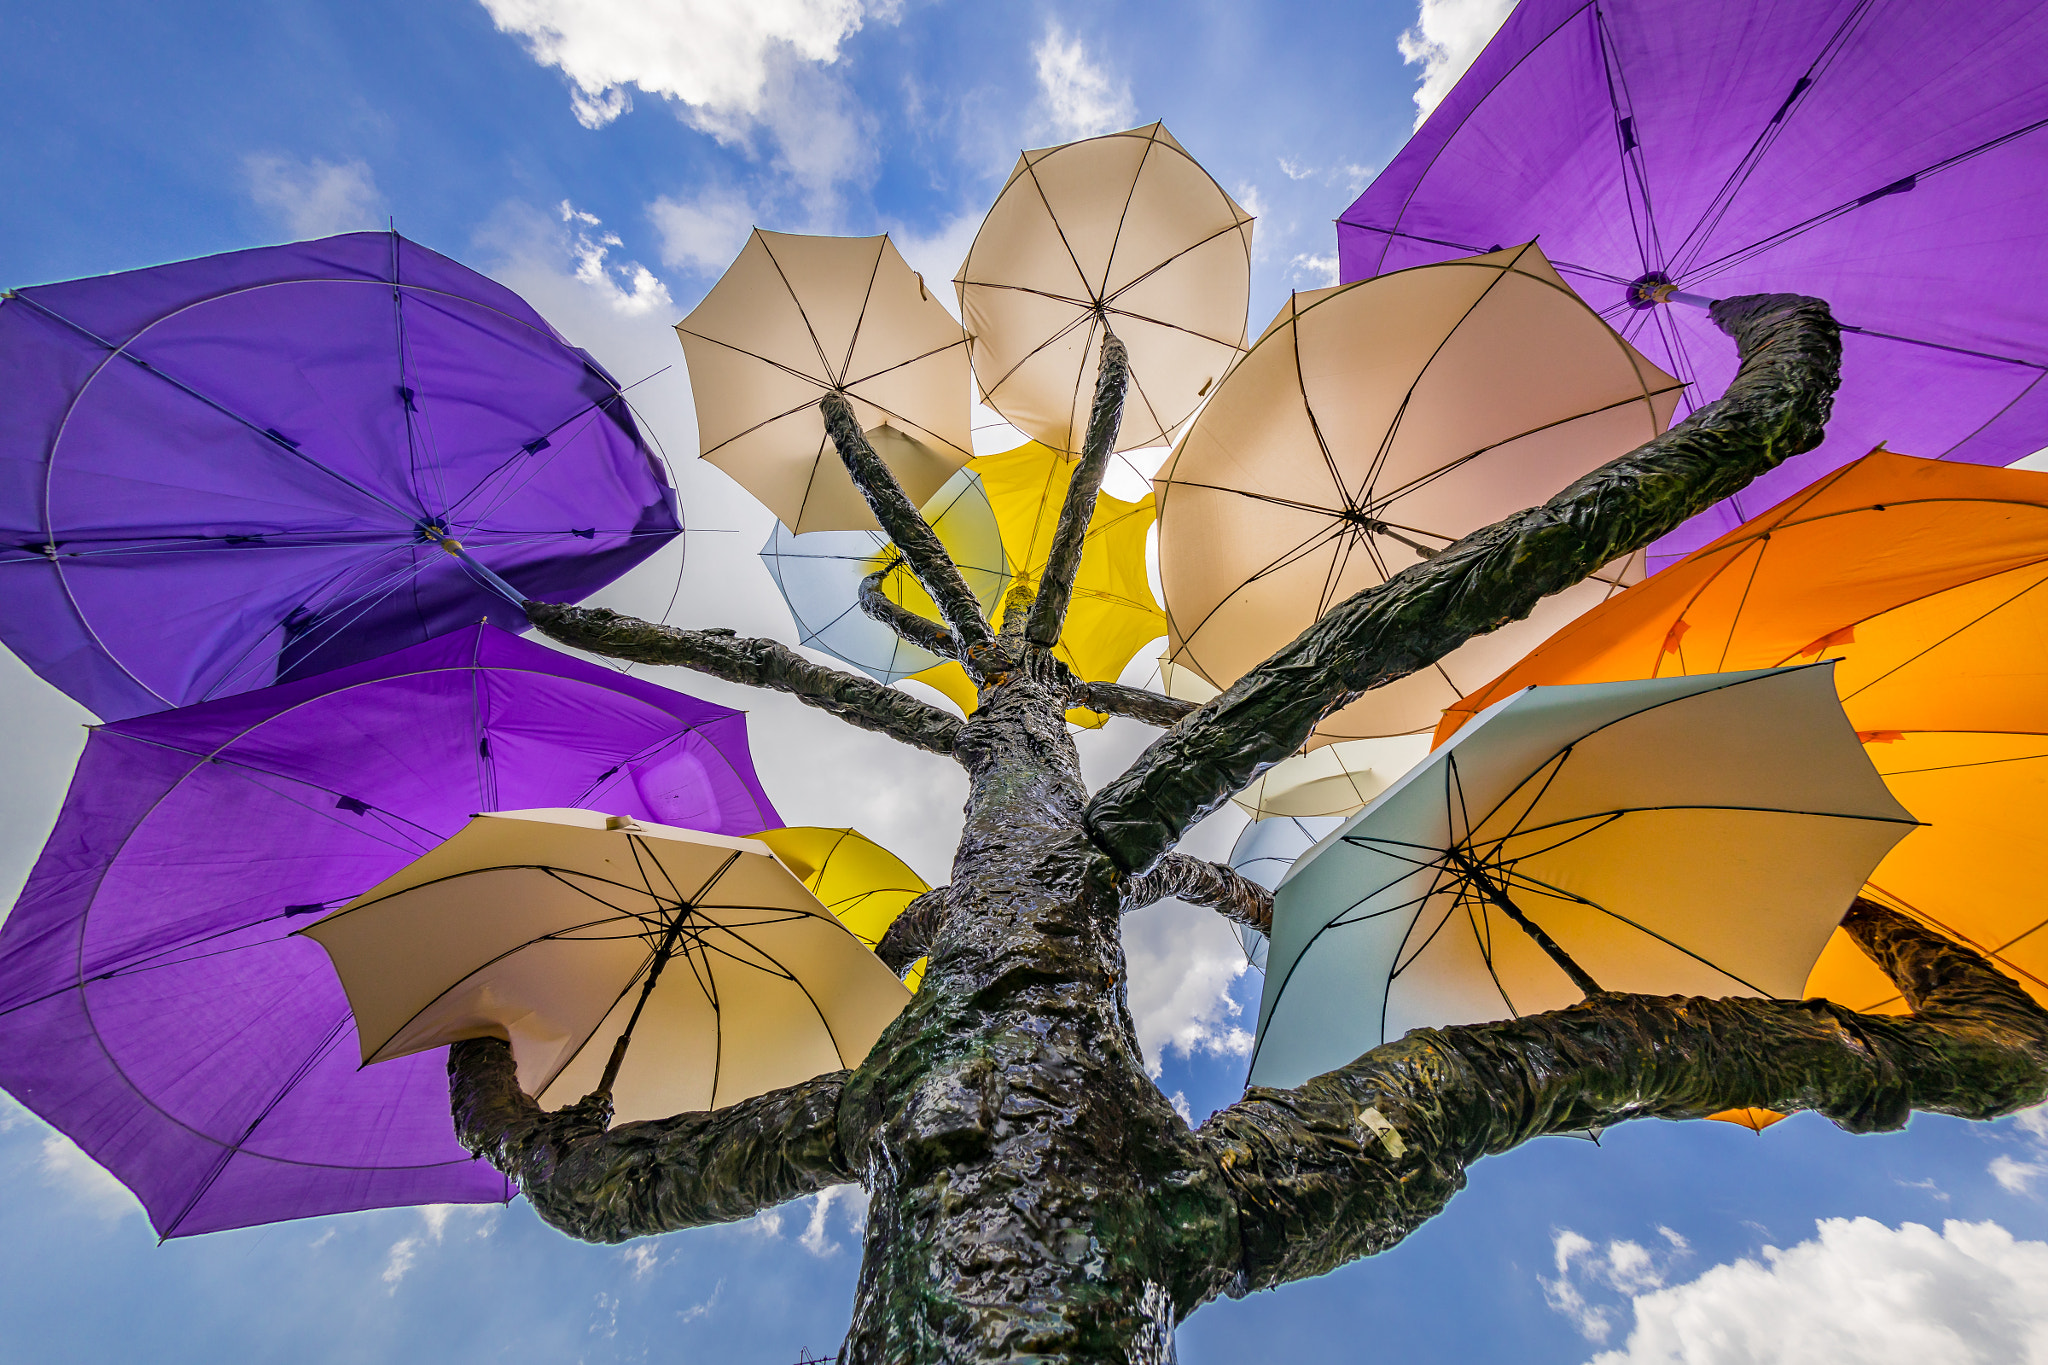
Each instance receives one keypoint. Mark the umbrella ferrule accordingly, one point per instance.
(1656, 287)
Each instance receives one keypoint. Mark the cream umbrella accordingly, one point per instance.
(1692, 835)
(795, 318)
(1372, 425)
(1125, 230)
(575, 934)
(1335, 779)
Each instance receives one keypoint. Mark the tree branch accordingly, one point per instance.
(1138, 703)
(1056, 583)
(609, 1185)
(757, 663)
(911, 934)
(905, 525)
(927, 635)
(1776, 407)
(1223, 889)
(1351, 1162)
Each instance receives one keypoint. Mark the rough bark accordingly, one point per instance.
(1776, 407)
(758, 663)
(927, 635)
(1134, 702)
(1222, 889)
(909, 936)
(1063, 561)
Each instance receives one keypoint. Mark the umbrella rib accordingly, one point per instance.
(1976, 763)
(536, 467)
(1649, 244)
(817, 345)
(1497, 894)
(1756, 565)
(382, 588)
(821, 384)
(1546, 889)
(1150, 271)
(1315, 541)
(860, 319)
(1094, 299)
(1930, 647)
(1123, 216)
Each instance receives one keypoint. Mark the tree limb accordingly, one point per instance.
(905, 525)
(926, 634)
(1349, 1163)
(1063, 561)
(910, 935)
(609, 1185)
(1776, 407)
(1138, 703)
(1223, 889)
(757, 663)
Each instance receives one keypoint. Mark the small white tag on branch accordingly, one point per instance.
(1381, 1127)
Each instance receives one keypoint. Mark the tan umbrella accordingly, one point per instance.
(1373, 424)
(573, 934)
(795, 318)
(1127, 228)
(1334, 779)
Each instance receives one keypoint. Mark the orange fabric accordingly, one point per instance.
(1928, 582)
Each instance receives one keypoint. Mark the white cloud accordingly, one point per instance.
(713, 56)
(315, 198)
(1860, 1293)
(852, 1200)
(627, 287)
(702, 233)
(1077, 97)
(2014, 1173)
(1313, 270)
(1447, 35)
(434, 1219)
(1182, 960)
(1622, 1266)
(63, 1166)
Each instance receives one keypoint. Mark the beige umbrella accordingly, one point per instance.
(1373, 424)
(795, 318)
(1126, 228)
(1333, 779)
(573, 934)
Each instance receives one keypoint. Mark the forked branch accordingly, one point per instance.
(906, 526)
(1135, 702)
(1056, 584)
(1776, 407)
(757, 663)
(926, 634)
(1223, 889)
(1349, 1163)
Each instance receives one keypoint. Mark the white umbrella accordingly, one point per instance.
(1692, 835)
(795, 318)
(1336, 779)
(574, 934)
(1264, 851)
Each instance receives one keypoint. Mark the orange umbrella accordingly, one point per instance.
(1926, 580)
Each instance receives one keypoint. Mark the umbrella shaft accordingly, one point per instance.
(661, 957)
(1499, 896)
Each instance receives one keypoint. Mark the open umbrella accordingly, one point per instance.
(674, 969)
(154, 1004)
(1697, 836)
(795, 318)
(1264, 852)
(1372, 425)
(239, 470)
(820, 573)
(1928, 582)
(1125, 231)
(1336, 779)
(858, 880)
(1885, 156)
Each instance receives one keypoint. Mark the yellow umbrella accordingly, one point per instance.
(1125, 229)
(858, 880)
(1113, 614)
(1928, 581)
(795, 318)
(566, 931)
(1373, 424)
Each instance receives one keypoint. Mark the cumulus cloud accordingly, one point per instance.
(1585, 1270)
(1182, 962)
(315, 198)
(712, 56)
(1077, 96)
(703, 232)
(1314, 270)
(626, 287)
(1447, 35)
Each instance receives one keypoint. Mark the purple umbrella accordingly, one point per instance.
(234, 471)
(1886, 155)
(154, 1004)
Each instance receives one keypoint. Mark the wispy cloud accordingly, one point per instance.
(314, 198)
(1447, 35)
(1183, 961)
(627, 287)
(1585, 1270)
(434, 1221)
(702, 232)
(1078, 97)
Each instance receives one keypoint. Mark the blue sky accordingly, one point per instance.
(608, 172)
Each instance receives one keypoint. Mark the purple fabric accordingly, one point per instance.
(232, 458)
(154, 1003)
(1744, 146)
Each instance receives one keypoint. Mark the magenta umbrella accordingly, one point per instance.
(1885, 155)
(229, 472)
(154, 1003)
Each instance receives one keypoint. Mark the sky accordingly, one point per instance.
(606, 158)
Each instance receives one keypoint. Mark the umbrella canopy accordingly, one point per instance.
(1373, 424)
(1697, 836)
(795, 318)
(234, 471)
(1336, 779)
(1928, 582)
(1263, 853)
(1112, 614)
(858, 880)
(820, 575)
(1886, 157)
(1127, 230)
(154, 1004)
(678, 970)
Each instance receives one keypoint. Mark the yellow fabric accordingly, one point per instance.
(1929, 582)
(858, 880)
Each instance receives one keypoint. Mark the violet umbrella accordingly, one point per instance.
(154, 1003)
(228, 472)
(1885, 155)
